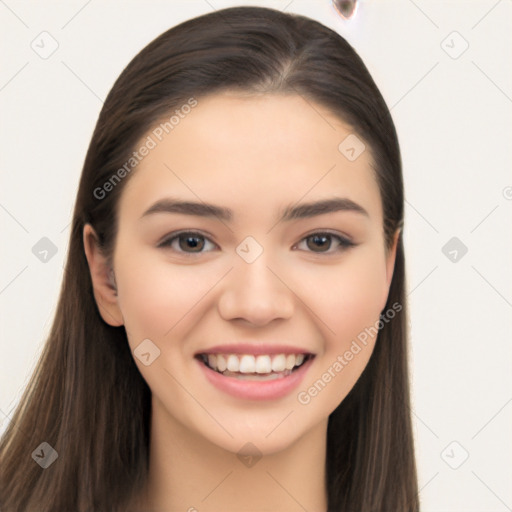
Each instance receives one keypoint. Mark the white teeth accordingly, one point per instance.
(233, 363)
(247, 364)
(263, 364)
(279, 363)
(290, 361)
(253, 364)
(221, 363)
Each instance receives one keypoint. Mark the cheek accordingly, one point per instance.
(349, 305)
(154, 296)
(346, 297)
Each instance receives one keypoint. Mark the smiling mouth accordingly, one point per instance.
(254, 367)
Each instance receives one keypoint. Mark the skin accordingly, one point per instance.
(255, 155)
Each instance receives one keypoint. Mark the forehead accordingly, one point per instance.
(253, 151)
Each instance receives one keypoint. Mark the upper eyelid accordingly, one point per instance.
(344, 240)
(172, 236)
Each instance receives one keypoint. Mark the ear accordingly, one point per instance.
(390, 264)
(103, 281)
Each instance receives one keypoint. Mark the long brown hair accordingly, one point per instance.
(87, 399)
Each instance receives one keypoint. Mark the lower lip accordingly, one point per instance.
(254, 390)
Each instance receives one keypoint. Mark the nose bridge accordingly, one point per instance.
(254, 290)
(256, 277)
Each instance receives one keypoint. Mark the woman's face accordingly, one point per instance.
(247, 281)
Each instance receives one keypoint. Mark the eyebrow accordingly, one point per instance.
(302, 211)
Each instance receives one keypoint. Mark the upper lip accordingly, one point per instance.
(249, 348)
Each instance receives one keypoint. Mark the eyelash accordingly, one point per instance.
(344, 243)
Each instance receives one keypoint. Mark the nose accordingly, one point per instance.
(256, 294)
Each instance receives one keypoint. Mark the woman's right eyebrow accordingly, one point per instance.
(291, 212)
(201, 209)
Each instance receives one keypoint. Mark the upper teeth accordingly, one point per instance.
(253, 364)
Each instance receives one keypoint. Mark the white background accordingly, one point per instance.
(453, 117)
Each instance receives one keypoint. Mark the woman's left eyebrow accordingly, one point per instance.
(305, 210)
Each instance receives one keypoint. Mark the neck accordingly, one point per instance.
(188, 473)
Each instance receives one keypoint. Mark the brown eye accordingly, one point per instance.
(187, 242)
(193, 242)
(321, 243)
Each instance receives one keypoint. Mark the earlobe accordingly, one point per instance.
(103, 280)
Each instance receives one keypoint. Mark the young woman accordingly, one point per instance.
(231, 331)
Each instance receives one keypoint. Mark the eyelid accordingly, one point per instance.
(165, 242)
(345, 242)
(335, 234)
